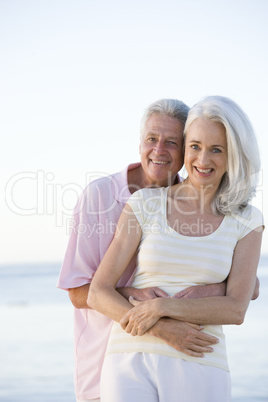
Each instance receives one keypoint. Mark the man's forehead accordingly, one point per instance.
(175, 130)
(162, 124)
(157, 133)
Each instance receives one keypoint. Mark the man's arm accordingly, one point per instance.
(219, 310)
(216, 289)
(185, 337)
(78, 296)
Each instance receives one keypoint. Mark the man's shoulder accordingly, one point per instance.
(104, 181)
(105, 189)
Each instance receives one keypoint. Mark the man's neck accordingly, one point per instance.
(136, 180)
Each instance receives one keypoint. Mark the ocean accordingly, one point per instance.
(36, 339)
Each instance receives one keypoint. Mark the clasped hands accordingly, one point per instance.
(146, 313)
(142, 316)
(150, 309)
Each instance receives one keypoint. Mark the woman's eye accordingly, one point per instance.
(194, 146)
(216, 150)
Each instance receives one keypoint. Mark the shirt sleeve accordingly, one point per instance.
(250, 219)
(82, 256)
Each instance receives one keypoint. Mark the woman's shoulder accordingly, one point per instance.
(149, 194)
(150, 201)
(248, 219)
(148, 191)
(250, 212)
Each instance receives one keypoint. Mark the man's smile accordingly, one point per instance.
(159, 162)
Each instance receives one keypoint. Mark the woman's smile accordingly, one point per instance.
(205, 153)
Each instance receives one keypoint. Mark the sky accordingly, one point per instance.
(75, 78)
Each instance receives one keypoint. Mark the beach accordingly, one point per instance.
(36, 339)
(36, 345)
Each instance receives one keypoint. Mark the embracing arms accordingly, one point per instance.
(230, 309)
(104, 297)
(79, 295)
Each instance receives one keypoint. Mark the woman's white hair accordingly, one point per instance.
(170, 107)
(239, 183)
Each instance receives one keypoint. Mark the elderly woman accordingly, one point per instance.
(196, 232)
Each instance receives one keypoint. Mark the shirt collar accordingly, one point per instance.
(120, 183)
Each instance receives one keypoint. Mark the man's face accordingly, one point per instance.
(161, 150)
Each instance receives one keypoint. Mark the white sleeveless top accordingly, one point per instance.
(173, 262)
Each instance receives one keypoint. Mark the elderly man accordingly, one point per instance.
(95, 219)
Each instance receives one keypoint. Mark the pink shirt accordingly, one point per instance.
(95, 219)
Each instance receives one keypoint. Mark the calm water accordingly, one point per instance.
(36, 349)
(36, 344)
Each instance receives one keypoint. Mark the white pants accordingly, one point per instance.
(88, 400)
(144, 377)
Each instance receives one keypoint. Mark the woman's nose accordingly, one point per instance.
(203, 158)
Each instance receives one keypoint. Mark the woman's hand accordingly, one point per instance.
(141, 317)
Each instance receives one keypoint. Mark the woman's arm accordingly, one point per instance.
(256, 290)
(229, 309)
(102, 295)
(79, 295)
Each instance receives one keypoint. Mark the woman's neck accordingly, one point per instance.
(196, 198)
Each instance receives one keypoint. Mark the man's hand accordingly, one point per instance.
(142, 294)
(184, 337)
(199, 291)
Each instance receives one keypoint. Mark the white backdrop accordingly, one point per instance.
(75, 77)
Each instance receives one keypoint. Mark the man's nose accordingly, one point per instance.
(159, 147)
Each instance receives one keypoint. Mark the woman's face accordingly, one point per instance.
(205, 153)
